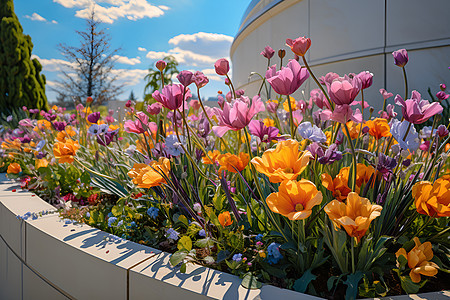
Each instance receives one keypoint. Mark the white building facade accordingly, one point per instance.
(349, 36)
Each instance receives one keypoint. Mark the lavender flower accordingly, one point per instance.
(153, 212)
(442, 131)
(385, 165)
(331, 155)
(202, 233)
(398, 131)
(173, 146)
(237, 257)
(311, 132)
(172, 234)
(111, 220)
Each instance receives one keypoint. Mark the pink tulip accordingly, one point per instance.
(299, 46)
(328, 78)
(344, 113)
(171, 96)
(185, 77)
(238, 115)
(154, 108)
(222, 66)
(268, 52)
(161, 65)
(272, 107)
(264, 133)
(140, 125)
(200, 79)
(343, 90)
(287, 80)
(416, 110)
(319, 99)
(195, 104)
(366, 79)
(385, 94)
(400, 57)
(441, 95)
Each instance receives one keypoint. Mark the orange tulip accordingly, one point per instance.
(65, 151)
(14, 168)
(363, 174)
(379, 128)
(354, 129)
(433, 199)
(419, 260)
(339, 185)
(147, 176)
(225, 219)
(355, 216)
(295, 199)
(269, 122)
(212, 155)
(67, 132)
(231, 162)
(285, 162)
(40, 163)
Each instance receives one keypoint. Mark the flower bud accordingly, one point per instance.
(400, 57)
(222, 66)
(89, 100)
(442, 86)
(281, 53)
(161, 65)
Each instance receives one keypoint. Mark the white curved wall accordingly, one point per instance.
(350, 36)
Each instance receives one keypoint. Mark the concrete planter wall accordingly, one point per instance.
(48, 259)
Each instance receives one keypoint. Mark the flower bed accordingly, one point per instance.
(316, 196)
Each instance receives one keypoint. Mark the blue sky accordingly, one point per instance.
(196, 32)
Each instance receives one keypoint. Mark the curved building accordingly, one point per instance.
(349, 36)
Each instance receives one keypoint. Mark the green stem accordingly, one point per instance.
(353, 254)
(406, 83)
(317, 82)
(354, 157)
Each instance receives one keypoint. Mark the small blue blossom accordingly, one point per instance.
(133, 224)
(202, 233)
(173, 146)
(88, 215)
(398, 131)
(237, 257)
(259, 237)
(172, 234)
(120, 223)
(40, 145)
(153, 212)
(110, 214)
(273, 253)
(311, 132)
(111, 220)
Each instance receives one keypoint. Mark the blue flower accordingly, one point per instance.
(40, 145)
(111, 220)
(153, 212)
(173, 146)
(311, 132)
(202, 233)
(398, 131)
(133, 224)
(273, 253)
(172, 234)
(237, 257)
(259, 237)
(120, 223)
(88, 215)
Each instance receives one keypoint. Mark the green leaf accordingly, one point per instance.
(203, 243)
(85, 177)
(183, 220)
(116, 211)
(177, 257)
(183, 268)
(185, 243)
(409, 286)
(250, 282)
(352, 285)
(301, 284)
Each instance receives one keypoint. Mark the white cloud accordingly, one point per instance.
(36, 17)
(114, 9)
(51, 65)
(212, 75)
(54, 22)
(142, 49)
(126, 60)
(198, 51)
(163, 7)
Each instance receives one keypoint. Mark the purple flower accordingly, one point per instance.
(154, 108)
(237, 257)
(268, 52)
(200, 79)
(398, 131)
(59, 126)
(287, 80)
(107, 138)
(185, 77)
(172, 234)
(400, 57)
(385, 165)
(416, 110)
(50, 117)
(366, 79)
(311, 132)
(34, 111)
(331, 155)
(441, 95)
(442, 131)
(95, 129)
(153, 212)
(262, 132)
(94, 117)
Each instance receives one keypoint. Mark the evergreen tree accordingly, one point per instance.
(21, 83)
(132, 97)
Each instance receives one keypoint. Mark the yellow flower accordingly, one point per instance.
(355, 216)
(433, 199)
(11, 144)
(14, 168)
(42, 125)
(293, 104)
(285, 162)
(225, 219)
(419, 260)
(212, 155)
(147, 176)
(40, 163)
(231, 162)
(295, 199)
(379, 128)
(65, 151)
(269, 122)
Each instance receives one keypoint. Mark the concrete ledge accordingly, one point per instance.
(59, 261)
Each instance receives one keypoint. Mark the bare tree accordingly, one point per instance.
(89, 71)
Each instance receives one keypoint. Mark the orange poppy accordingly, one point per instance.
(355, 215)
(147, 176)
(433, 199)
(339, 185)
(225, 219)
(40, 163)
(14, 168)
(419, 260)
(295, 199)
(65, 152)
(285, 162)
(354, 129)
(211, 155)
(379, 128)
(231, 162)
